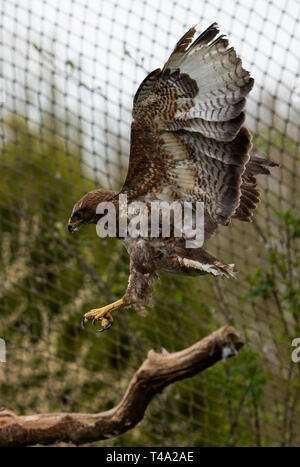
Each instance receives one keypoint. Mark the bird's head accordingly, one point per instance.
(84, 211)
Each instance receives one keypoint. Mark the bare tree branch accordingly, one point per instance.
(158, 371)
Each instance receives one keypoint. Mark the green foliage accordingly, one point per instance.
(279, 279)
(278, 284)
(261, 283)
(291, 221)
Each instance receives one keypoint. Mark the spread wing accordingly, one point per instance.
(187, 138)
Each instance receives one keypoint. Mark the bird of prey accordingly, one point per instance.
(188, 144)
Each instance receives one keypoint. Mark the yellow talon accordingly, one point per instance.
(103, 314)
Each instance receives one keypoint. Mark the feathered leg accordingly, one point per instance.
(139, 289)
(197, 261)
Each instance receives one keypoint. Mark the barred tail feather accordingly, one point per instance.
(250, 196)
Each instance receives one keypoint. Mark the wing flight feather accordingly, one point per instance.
(188, 140)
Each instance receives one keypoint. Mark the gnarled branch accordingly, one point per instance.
(158, 371)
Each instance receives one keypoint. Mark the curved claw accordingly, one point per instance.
(82, 323)
(106, 327)
(93, 322)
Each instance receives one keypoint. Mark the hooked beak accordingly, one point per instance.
(73, 226)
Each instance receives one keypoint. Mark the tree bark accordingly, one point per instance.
(158, 371)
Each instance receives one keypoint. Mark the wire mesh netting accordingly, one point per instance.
(69, 71)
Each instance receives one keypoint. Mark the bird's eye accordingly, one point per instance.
(76, 217)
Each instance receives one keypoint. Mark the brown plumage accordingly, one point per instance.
(188, 143)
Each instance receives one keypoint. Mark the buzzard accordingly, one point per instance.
(188, 144)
